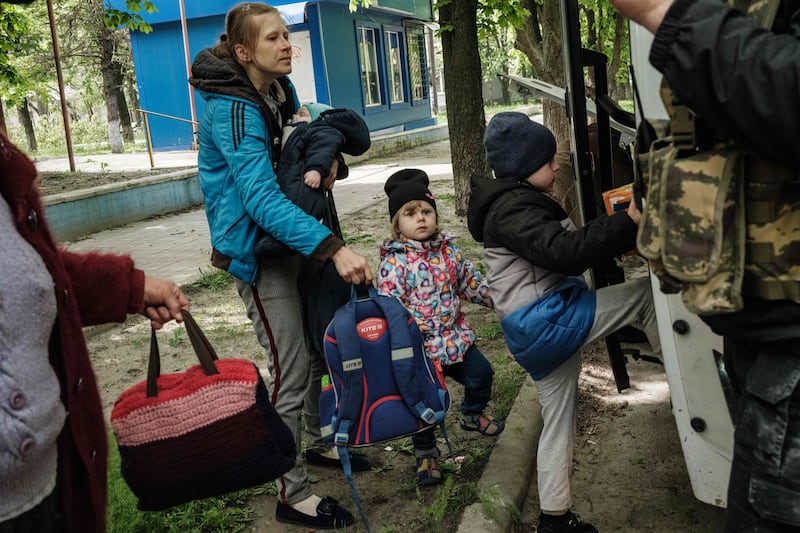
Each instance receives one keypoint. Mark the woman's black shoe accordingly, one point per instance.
(329, 515)
(358, 463)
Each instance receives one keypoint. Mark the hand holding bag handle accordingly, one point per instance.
(202, 348)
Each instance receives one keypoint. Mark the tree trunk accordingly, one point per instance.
(133, 98)
(620, 31)
(3, 119)
(109, 90)
(27, 124)
(462, 81)
(122, 104)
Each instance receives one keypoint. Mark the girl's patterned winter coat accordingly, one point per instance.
(431, 278)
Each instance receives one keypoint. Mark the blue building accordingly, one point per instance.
(374, 60)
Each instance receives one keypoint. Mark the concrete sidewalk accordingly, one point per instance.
(178, 247)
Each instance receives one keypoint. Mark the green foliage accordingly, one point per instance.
(451, 498)
(359, 238)
(176, 340)
(49, 130)
(490, 331)
(18, 41)
(354, 4)
(494, 15)
(130, 19)
(508, 379)
(215, 279)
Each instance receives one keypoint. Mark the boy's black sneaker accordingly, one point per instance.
(566, 523)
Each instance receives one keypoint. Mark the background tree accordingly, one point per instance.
(462, 80)
(95, 55)
(18, 44)
(495, 59)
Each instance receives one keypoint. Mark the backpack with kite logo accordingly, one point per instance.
(380, 385)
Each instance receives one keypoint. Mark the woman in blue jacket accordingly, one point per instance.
(248, 100)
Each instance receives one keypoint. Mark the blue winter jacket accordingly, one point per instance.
(237, 175)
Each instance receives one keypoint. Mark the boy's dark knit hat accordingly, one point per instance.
(516, 146)
(405, 186)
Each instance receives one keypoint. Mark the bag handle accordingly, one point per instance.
(202, 348)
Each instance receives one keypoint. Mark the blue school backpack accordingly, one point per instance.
(380, 385)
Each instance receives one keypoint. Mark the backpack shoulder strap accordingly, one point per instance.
(350, 354)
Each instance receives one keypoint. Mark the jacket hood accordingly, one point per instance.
(483, 194)
(221, 75)
(352, 126)
(406, 246)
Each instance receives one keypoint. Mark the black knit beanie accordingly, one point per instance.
(516, 146)
(406, 185)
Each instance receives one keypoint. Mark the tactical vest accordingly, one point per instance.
(719, 222)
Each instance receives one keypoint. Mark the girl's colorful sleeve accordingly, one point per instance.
(472, 286)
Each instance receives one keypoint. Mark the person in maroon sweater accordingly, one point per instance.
(87, 289)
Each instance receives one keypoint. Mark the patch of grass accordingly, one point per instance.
(508, 379)
(488, 501)
(450, 499)
(229, 331)
(476, 455)
(490, 331)
(228, 513)
(447, 198)
(214, 279)
(360, 238)
(176, 340)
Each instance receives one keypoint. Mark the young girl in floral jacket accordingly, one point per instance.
(427, 271)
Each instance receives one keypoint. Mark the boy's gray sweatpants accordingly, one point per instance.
(274, 307)
(629, 303)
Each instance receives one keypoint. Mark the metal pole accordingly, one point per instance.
(432, 69)
(184, 31)
(57, 57)
(147, 138)
(574, 63)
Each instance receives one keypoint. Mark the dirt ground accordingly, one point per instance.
(61, 182)
(629, 472)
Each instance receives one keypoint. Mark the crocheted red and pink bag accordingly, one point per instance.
(199, 433)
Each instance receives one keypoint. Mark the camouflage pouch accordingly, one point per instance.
(666, 283)
(698, 198)
(651, 168)
(704, 230)
(650, 238)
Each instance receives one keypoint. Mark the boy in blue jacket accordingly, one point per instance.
(535, 257)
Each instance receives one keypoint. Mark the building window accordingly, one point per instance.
(394, 59)
(370, 77)
(418, 66)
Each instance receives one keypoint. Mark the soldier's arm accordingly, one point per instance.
(647, 13)
(740, 78)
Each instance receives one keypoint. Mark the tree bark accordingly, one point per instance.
(110, 94)
(105, 42)
(133, 98)
(620, 30)
(3, 119)
(462, 81)
(24, 113)
(122, 104)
